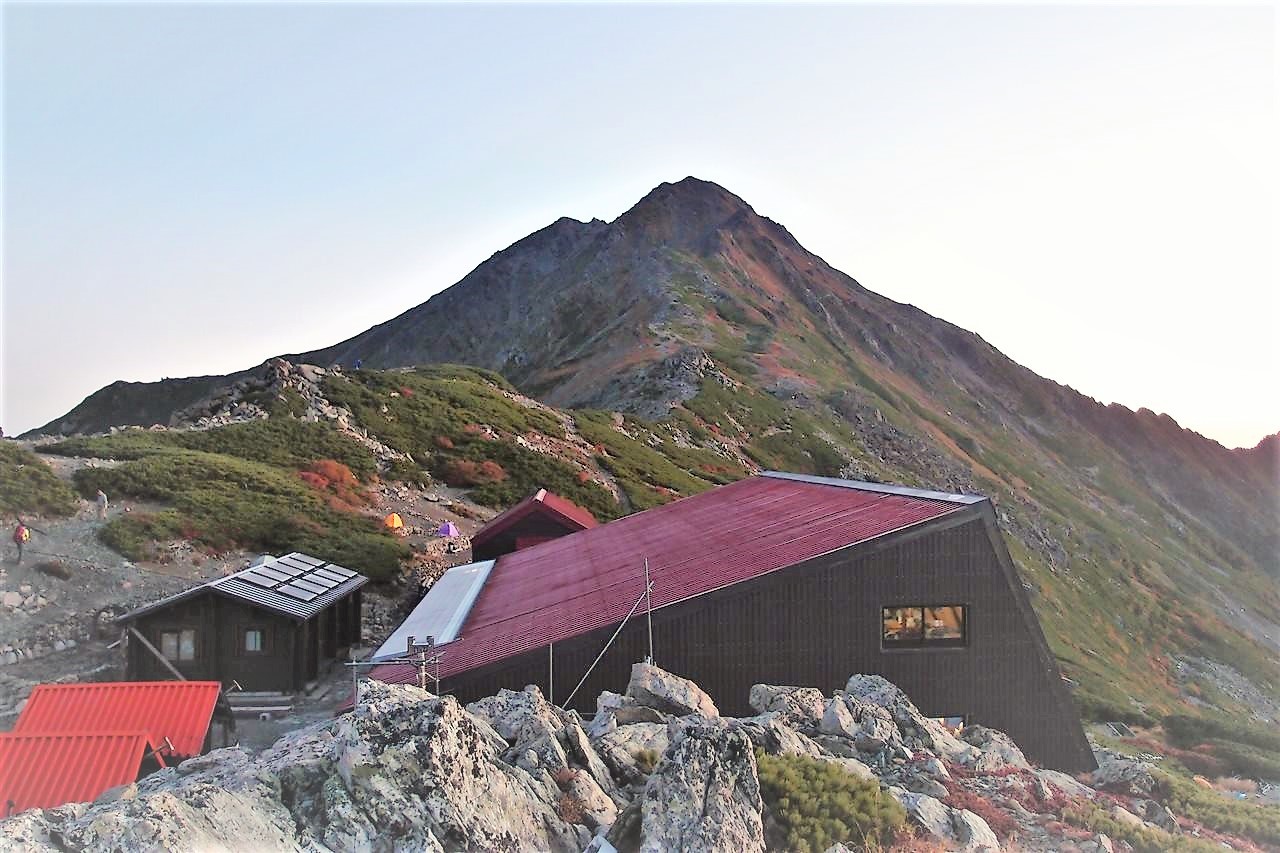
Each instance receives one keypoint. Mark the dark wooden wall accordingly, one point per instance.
(536, 525)
(817, 623)
(293, 652)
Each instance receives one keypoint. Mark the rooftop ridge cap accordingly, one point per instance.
(881, 488)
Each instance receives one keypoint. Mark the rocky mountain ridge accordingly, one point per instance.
(656, 769)
(1143, 543)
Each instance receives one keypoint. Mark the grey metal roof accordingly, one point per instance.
(442, 610)
(296, 585)
(883, 488)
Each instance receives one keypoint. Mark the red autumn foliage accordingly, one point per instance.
(335, 472)
(334, 480)
(1001, 822)
(315, 481)
(473, 429)
(465, 472)
(406, 392)
(584, 476)
(444, 442)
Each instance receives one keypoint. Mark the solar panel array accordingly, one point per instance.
(297, 576)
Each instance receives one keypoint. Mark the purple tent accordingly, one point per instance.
(448, 529)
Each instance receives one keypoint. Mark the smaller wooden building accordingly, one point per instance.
(539, 518)
(271, 627)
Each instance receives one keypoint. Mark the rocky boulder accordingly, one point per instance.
(957, 829)
(800, 707)
(658, 689)
(998, 749)
(770, 733)
(521, 717)
(916, 730)
(1122, 774)
(704, 795)
(631, 752)
(870, 727)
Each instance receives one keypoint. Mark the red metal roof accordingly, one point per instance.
(48, 770)
(177, 710)
(563, 510)
(569, 586)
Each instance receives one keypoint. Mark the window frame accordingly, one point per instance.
(178, 632)
(244, 640)
(924, 642)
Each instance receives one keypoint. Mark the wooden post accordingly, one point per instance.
(146, 644)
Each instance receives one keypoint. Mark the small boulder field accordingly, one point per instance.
(657, 768)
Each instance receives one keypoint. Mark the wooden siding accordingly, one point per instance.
(292, 654)
(817, 623)
(539, 524)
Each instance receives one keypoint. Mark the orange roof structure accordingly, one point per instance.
(174, 715)
(48, 770)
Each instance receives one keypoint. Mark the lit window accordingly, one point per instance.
(939, 625)
(944, 623)
(253, 640)
(178, 645)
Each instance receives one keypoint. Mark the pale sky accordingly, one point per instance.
(192, 189)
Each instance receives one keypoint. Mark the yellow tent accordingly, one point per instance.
(393, 522)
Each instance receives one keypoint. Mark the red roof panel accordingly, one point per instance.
(576, 584)
(177, 710)
(48, 770)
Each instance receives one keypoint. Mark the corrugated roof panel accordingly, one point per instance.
(576, 584)
(49, 770)
(177, 710)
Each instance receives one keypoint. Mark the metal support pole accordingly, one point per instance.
(648, 604)
(623, 624)
(551, 673)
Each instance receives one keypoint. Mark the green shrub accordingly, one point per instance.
(647, 759)
(1142, 840)
(1188, 731)
(28, 486)
(222, 502)
(527, 471)
(1255, 821)
(816, 804)
(640, 470)
(284, 442)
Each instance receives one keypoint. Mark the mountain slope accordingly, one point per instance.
(1149, 547)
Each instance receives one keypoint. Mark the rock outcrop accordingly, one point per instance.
(657, 769)
(704, 794)
(670, 694)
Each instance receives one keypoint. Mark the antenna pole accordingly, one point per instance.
(648, 605)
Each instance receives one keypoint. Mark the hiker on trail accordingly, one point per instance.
(102, 505)
(357, 363)
(22, 535)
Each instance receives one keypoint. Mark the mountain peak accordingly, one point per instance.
(693, 190)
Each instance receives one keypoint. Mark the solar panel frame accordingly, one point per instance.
(257, 580)
(297, 592)
(346, 573)
(292, 565)
(320, 580)
(305, 558)
(274, 574)
(327, 573)
(303, 583)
